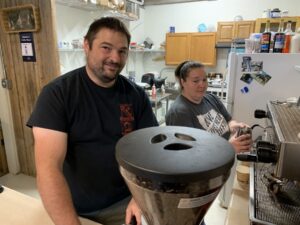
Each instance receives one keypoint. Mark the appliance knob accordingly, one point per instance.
(258, 113)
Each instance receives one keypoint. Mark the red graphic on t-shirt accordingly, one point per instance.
(126, 118)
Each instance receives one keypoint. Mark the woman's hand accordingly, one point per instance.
(133, 210)
(234, 126)
(241, 143)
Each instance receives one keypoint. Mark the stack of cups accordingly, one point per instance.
(252, 45)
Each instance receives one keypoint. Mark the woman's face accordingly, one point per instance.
(195, 85)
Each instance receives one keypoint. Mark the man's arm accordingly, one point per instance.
(50, 152)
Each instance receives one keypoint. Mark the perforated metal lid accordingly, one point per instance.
(174, 154)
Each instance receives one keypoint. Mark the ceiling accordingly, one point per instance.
(160, 2)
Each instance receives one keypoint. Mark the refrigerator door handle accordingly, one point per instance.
(297, 67)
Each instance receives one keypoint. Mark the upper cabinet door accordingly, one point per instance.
(243, 29)
(260, 24)
(177, 48)
(191, 46)
(203, 48)
(225, 31)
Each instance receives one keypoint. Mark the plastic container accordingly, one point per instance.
(266, 13)
(295, 42)
(172, 29)
(275, 13)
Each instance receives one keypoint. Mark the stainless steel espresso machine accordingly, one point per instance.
(174, 173)
(275, 175)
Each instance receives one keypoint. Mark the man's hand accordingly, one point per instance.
(133, 210)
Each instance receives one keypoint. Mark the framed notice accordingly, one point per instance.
(23, 18)
(27, 47)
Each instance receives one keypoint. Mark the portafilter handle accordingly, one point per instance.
(247, 157)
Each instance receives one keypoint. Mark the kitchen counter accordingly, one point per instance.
(17, 209)
(238, 210)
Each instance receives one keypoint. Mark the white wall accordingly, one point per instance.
(154, 23)
(187, 16)
(73, 23)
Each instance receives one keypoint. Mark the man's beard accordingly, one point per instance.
(103, 77)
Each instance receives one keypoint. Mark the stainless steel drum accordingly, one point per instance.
(174, 173)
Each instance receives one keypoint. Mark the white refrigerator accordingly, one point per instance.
(252, 81)
(255, 79)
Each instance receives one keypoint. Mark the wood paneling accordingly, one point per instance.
(29, 77)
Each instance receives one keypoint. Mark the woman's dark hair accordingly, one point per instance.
(106, 22)
(185, 67)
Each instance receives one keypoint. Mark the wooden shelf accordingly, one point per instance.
(70, 49)
(147, 50)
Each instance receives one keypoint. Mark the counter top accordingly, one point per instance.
(238, 210)
(17, 209)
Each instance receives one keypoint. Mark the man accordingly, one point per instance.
(76, 123)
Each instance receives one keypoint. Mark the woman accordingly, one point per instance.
(196, 108)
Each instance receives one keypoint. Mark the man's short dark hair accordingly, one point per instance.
(106, 22)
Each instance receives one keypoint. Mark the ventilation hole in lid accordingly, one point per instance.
(158, 138)
(184, 137)
(177, 147)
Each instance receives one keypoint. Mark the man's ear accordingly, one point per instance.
(86, 46)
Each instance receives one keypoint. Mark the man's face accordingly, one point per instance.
(106, 57)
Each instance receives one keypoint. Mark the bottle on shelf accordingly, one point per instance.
(288, 36)
(153, 93)
(295, 42)
(266, 39)
(163, 90)
(279, 39)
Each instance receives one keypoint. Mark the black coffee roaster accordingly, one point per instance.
(174, 173)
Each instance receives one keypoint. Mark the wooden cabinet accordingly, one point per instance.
(260, 24)
(227, 31)
(191, 46)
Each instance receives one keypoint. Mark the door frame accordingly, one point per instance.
(7, 124)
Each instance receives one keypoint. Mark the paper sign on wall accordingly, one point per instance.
(27, 46)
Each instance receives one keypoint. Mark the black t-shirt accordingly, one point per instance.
(94, 118)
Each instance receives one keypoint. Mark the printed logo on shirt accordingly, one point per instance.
(213, 122)
(126, 118)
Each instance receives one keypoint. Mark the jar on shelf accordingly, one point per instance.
(276, 13)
